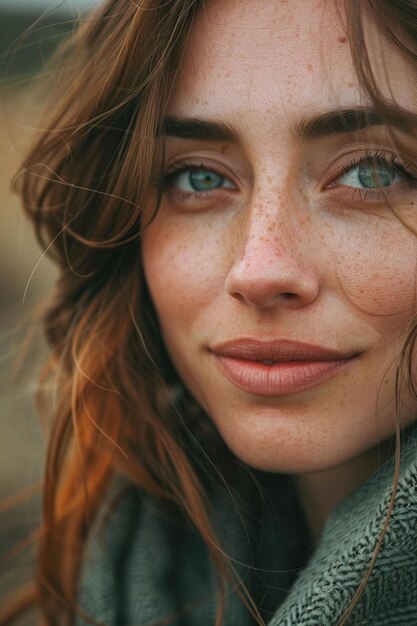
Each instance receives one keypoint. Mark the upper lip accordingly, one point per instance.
(252, 349)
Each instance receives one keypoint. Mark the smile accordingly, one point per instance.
(277, 368)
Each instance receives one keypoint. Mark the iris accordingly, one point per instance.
(204, 180)
(376, 174)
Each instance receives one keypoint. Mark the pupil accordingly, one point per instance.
(376, 174)
(202, 180)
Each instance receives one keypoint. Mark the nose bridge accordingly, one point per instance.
(267, 228)
(269, 261)
(270, 231)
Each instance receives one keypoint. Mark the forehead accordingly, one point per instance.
(278, 57)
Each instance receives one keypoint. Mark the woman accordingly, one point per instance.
(229, 189)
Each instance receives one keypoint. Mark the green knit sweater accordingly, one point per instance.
(148, 564)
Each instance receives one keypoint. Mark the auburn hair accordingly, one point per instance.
(85, 184)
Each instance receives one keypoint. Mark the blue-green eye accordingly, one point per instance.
(371, 173)
(200, 179)
(203, 180)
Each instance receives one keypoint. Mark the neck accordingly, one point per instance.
(320, 492)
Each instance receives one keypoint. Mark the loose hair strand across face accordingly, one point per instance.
(85, 185)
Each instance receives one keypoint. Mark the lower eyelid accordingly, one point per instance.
(188, 195)
(349, 197)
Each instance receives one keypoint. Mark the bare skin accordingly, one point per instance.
(320, 492)
(289, 239)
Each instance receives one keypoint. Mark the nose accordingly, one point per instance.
(270, 263)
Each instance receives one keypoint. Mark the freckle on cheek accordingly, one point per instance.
(374, 294)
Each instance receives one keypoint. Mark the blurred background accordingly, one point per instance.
(30, 30)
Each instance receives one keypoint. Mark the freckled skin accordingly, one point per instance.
(282, 256)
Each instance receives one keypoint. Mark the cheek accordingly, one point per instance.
(378, 274)
(182, 268)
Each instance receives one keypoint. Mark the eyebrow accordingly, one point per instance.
(348, 120)
(195, 128)
(337, 121)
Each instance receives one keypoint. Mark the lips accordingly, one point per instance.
(279, 367)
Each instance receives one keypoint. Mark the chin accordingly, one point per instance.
(277, 458)
(292, 454)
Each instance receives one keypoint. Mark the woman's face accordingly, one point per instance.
(282, 282)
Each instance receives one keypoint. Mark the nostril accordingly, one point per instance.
(238, 296)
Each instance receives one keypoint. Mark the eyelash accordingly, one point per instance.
(404, 169)
(178, 168)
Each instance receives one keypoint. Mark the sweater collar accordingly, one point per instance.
(332, 575)
(148, 566)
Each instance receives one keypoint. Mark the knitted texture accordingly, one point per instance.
(146, 567)
(328, 582)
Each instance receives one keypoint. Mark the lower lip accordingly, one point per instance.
(279, 379)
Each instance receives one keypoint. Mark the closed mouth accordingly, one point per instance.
(278, 367)
(278, 350)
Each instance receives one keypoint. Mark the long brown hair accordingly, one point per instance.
(84, 185)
